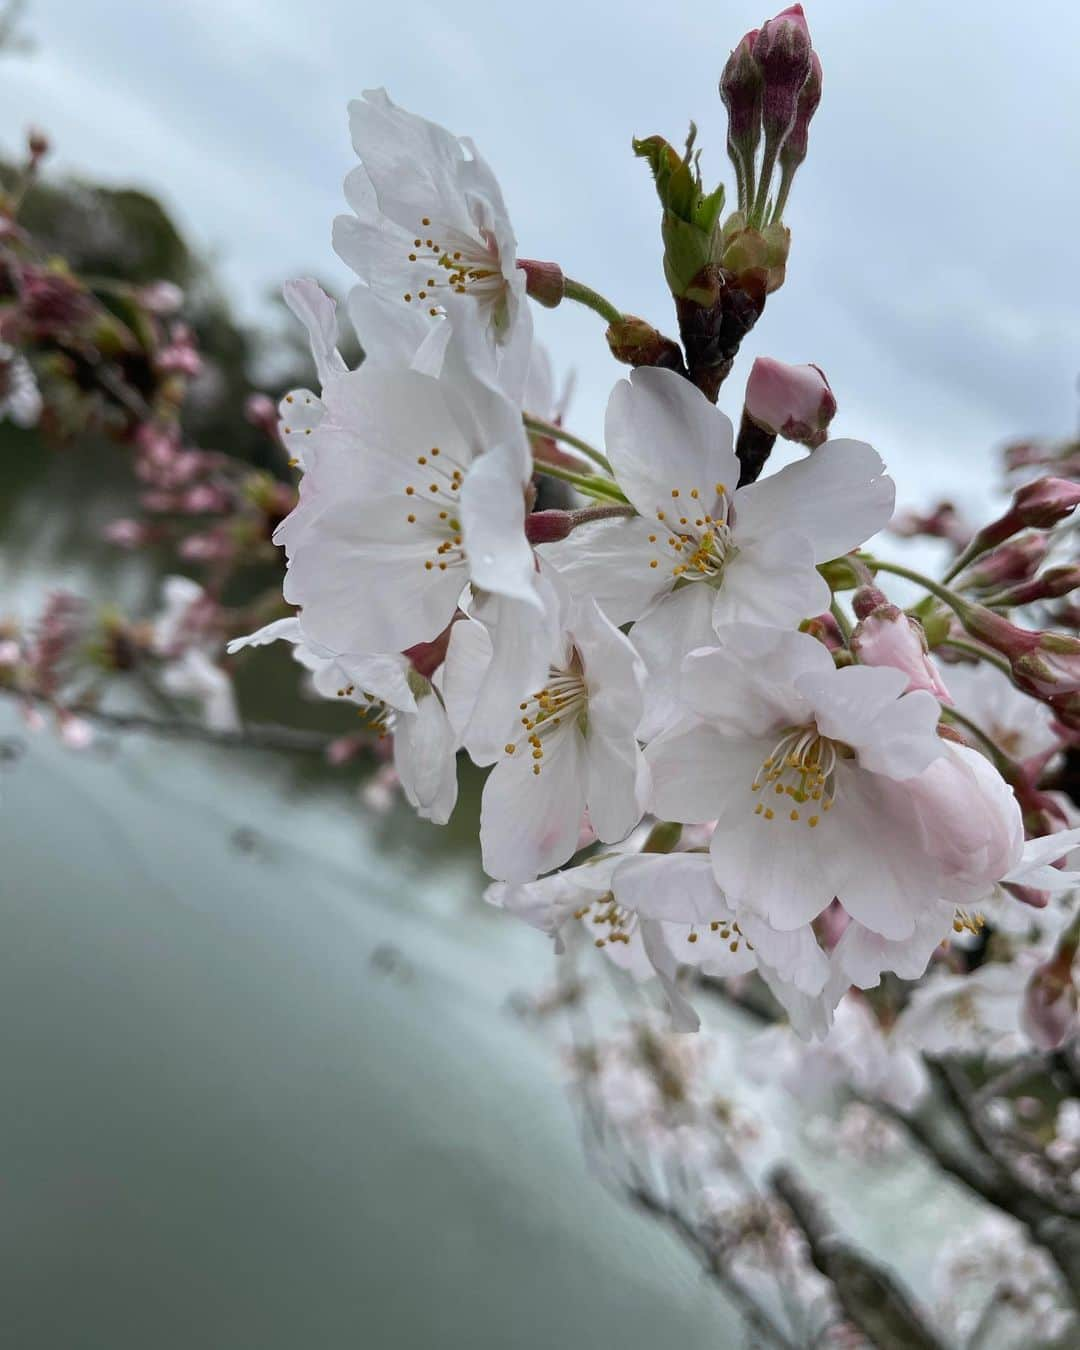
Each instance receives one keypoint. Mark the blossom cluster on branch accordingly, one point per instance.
(727, 744)
(697, 748)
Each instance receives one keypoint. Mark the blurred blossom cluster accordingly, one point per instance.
(726, 753)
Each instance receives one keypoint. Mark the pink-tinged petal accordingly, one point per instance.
(878, 861)
(748, 684)
(529, 822)
(862, 707)
(1035, 867)
(677, 624)
(395, 336)
(810, 1015)
(281, 630)
(549, 902)
(794, 955)
(837, 498)
(384, 677)
(609, 560)
(662, 435)
(693, 774)
(493, 519)
(678, 888)
(971, 821)
(863, 954)
(613, 671)
(424, 756)
(771, 580)
(523, 646)
(683, 1016)
(318, 313)
(413, 165)
(468, 655)
(617, 784)
(369, 597)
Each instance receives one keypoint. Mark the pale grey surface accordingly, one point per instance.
(223, 1125)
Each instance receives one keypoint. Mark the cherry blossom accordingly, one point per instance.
(575, 749)
(823, 783)
(429, 223)
(394, 700)
(702, 552)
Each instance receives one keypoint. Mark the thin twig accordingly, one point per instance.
(250, 736)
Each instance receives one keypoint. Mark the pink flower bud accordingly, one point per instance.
(790, 401)
(546, 527)
(741, 88)
(180, 356)
(1044, 665)
(1051, 667)
(1048, 1011)
(37, 143)
(1039, 505)
(213, 546)
(887, 637)
(261, 411)
(52, 302)
(794, 149)
(941, 522)
(782, 51)
(126, 533)
(205, 499)
(1015, 560)
(544, 281)
(1022, 453)
(1066, 710)
(866, 599)
(1053, 583)
(1045, 502)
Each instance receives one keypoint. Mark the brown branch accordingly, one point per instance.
(869, 1293)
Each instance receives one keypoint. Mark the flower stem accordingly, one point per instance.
(589, 513)
(950, 598)
(768, 163)
(841, 619)
(539, 427)
(602, 489)
(980, 653)
(585, 295)
(786, 180)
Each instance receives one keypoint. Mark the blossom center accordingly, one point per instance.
(563, 701)
(434, 509)
(376, 715)
(802, 767)
(466, 264)
(621, 924)
(693, 541)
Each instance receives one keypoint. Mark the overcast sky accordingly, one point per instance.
(935, 267)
